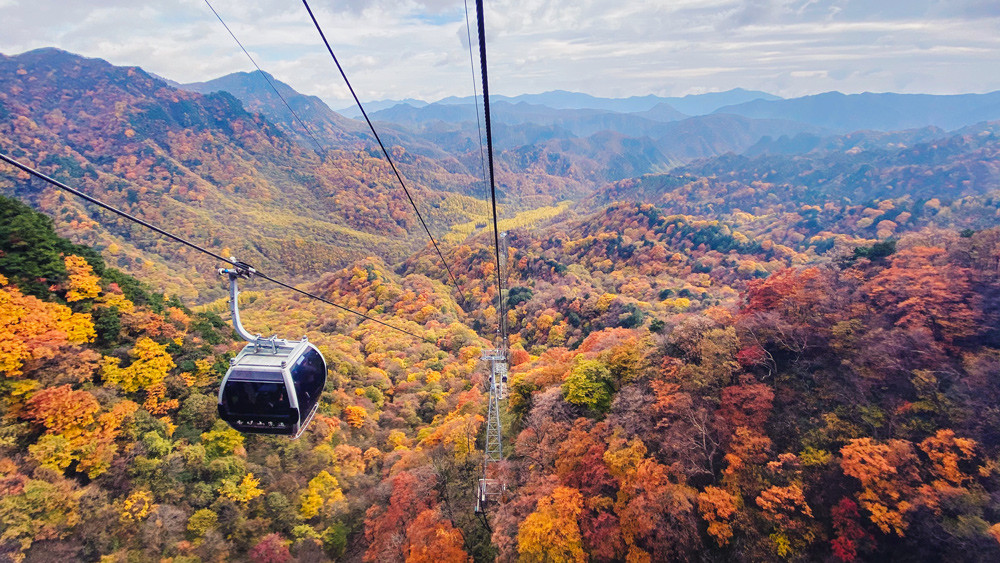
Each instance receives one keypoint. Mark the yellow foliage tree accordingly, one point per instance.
(150, 366)
(457, 432)
(245, 491)
(623, 460)
(322, 496)
(136, 507)
(557, 335)
(355, 416)
(202, 521)
(397, 439)
(83, 284)
(222, 440)
(112, 299)
(53, 451)
(552, 532)
(603, 302)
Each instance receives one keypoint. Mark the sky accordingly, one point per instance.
(396, 49)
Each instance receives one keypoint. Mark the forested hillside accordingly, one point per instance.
(692, 406)
(196, 161)
(840, 410)
(111, 445)
(816, 199)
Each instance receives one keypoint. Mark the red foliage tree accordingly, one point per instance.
(580, 463)
(850, 535)
(748, 404)
(385, 527)
(272, 548)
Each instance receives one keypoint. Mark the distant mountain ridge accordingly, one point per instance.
(253, 90)
(580, 122)
(588, 144)
(578, 128)
(608, 145)
(325, 126)
(844, 113)
(692, 104)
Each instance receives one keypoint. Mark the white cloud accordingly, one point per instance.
(418, 48)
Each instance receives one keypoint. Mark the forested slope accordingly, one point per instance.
(822, 198)
(683, 389)
(841, 410)
(212, 171)
(111, 445)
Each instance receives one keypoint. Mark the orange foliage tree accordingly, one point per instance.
(921, 290)
(386, 526)
(72, 431)
(657, 511)
(788, 511)
(717, 508)
(947, 452)
(32, 329)
(888, 477)
(433, 538)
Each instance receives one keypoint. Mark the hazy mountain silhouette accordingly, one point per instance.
(884, 112)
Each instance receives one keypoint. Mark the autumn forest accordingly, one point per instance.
(762, 353)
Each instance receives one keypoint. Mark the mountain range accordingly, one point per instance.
(842, 113)
(195, 162)
(230, 148)
(580, 134)
(692, 104)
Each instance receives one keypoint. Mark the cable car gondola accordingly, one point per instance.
(273, 385)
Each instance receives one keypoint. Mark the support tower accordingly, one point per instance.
(491, 486)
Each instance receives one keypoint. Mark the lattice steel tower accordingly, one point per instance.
(491, 487)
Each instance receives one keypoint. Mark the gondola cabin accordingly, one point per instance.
(273, 387)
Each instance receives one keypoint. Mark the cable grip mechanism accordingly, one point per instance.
(239, 269)
(245, 271)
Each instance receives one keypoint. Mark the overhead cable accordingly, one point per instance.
(475, 98)
(385, 152)
(119, 212)
(502, 322)
(319, 148)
